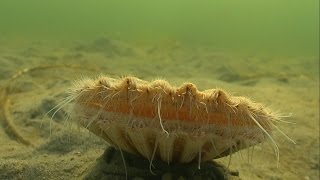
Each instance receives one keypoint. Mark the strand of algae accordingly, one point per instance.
(5, 115)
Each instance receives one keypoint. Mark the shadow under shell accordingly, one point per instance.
(110, 166)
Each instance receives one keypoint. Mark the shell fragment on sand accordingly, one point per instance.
(173, 124)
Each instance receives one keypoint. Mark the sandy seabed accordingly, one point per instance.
(34, 77)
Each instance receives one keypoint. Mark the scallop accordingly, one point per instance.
(173, 124)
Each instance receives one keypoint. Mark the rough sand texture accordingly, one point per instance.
(287, 84)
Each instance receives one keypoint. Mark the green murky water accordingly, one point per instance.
(274, 26)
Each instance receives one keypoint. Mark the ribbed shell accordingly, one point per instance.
(159, 121)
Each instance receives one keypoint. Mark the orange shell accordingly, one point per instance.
(158, 121)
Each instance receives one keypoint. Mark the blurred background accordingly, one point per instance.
(273, 26)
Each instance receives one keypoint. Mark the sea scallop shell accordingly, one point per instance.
(159, 121)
